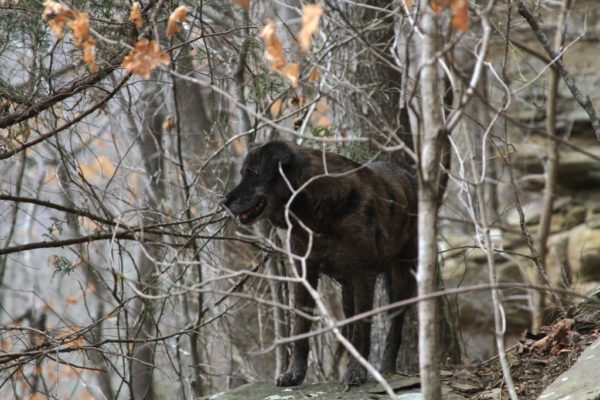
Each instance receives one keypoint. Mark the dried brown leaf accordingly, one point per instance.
(323, 122)
(81, 29)
(314, 75)
(57, 15)
(144, 58)
(245, 4)
(135, 15)
(542, 343)
(311, 15)
(322, 106)
(292, 72)
(168, 123)
(238, 146)
(82, 39)
(175, 19)
(273, 48)
(88, 55)
(564, 324)
(438, 6)
(460, 14)
(275, 108)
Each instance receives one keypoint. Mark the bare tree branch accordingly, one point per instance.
(568, 78)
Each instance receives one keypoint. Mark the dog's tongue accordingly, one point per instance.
(246, 215)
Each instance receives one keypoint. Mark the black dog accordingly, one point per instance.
(364, 222)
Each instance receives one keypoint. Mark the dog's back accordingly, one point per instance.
(400, 176)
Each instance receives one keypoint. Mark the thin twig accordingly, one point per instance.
(568, 78)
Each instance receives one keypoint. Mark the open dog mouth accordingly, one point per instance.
(253, 213)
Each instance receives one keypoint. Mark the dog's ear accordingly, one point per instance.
(280, 153)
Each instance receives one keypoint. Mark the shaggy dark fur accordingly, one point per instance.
(364, 220)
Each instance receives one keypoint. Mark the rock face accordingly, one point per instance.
(573, 259)
(573, 262)
(580, 381)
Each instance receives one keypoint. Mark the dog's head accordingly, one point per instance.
(263, 192)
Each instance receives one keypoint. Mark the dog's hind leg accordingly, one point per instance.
(299, 361)
(400, 285)
(348, 306)
(363, 288)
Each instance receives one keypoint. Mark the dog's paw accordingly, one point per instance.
(355, 376)
(388, 366)
(290, 379)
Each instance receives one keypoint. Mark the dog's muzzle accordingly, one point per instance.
(244, 213)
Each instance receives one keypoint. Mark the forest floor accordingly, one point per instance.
(536, 361)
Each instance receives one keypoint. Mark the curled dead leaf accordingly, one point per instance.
(564, 325)
(323, 122)
(81, 29)
(314, 75)
(460, 14)
(135, 15)
(238, 146)
(438, 6)
(168, 123)
(542, 343)
(460, 11)
(88, 55)
(245, 4)
(144, 58)
(311, 15)
(175, 19)
(82, 39)
(57, 15)
(273, 48)
(292, 72)
(275, 108)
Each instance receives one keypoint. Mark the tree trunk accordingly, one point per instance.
(430, 144)
(142, 362)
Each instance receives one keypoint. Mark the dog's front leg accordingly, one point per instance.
(363, 288)
(304, 302)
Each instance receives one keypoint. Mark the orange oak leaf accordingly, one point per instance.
(57, 15)
(273, 48)
(238, 146)
(175, 20)
(275, 108)
(314, 75)
(292, 72)
(168, 123)
(88, 55)
(311, 15)
(460, 14)
(135, 15)
(245, 4)
(81, 38)
(438, 6)
(81, 29)
(460, 11)
(144, 58)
